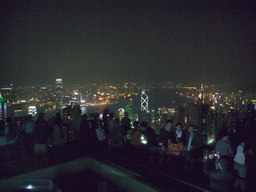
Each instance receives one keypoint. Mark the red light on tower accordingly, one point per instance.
(130, 99)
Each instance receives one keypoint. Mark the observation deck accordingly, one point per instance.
(76, 168)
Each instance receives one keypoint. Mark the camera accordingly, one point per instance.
(216, 154)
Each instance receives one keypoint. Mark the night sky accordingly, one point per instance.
(205, 41)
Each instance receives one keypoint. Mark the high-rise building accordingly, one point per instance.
(32, 110)
(8, 95)
(58, 95)
(191, 113)
(76, 98)
(180, 115)
(202, 117)
(144, 100)
(67, 114)
(3, 108)
(129, 108)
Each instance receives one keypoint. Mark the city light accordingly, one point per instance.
(210, 141)
(29, 187)
(217, 101)
(32, 110)
(143, 140)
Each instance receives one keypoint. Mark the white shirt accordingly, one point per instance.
(179, 134)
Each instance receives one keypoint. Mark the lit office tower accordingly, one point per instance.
(201, 95)
(58, 97)
(3, 108)
(144, 100)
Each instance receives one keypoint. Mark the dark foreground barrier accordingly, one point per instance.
(105, 174)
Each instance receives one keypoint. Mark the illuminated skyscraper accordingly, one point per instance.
(180, 115)
(129, 108)
(7, 93)
(59, 97)
(144, 100)
(32, 110)
(201, 90)
(3, 108)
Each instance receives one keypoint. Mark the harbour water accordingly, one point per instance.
(157, 98)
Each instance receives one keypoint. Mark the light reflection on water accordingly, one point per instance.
(158, 98)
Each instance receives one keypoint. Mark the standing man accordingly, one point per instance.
(41, 134)
(126, 124)
(223, 178)
(150, 135)
(223, 146)
(111, 128)
(152, 144)
(76, 123)
(192, 147)
(165, 134)
(28, 130)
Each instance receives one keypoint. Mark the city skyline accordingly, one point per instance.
(224, 87)
(201, 42)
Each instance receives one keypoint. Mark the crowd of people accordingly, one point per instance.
(174, 145)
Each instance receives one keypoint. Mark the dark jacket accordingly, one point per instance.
(164, 136)
(85, 132)
(42, 131)
(221, 180)
(95, 124)
(196, 144)
(126, 123)
(151, 136)
(196, 141)
(12, 132)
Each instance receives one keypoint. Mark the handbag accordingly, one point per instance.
(173, 148)
(100, 133)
